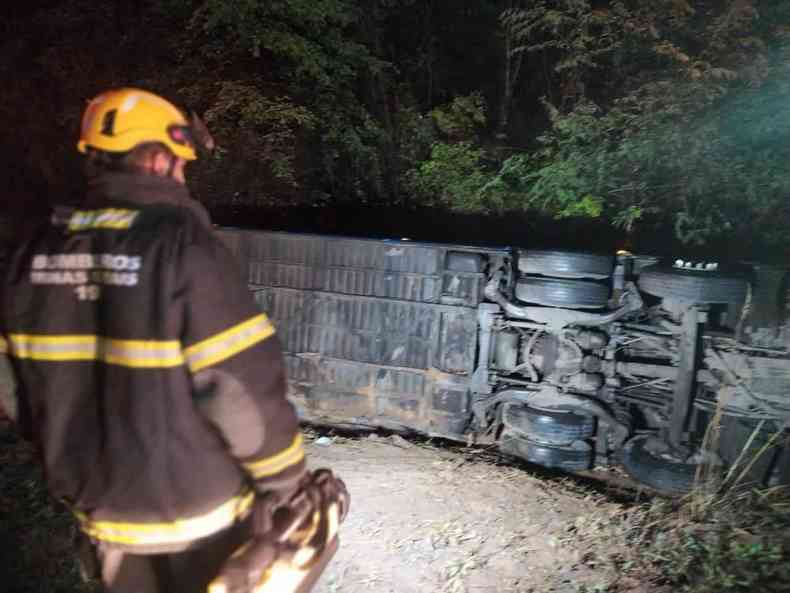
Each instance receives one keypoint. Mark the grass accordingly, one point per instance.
(36, 534)
(725, 536)
(740, 544)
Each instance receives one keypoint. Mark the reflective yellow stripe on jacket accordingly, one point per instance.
(225, 344)
(140, 353)
(106, 218)
(174, 532)
(269, 466)
(130, 353)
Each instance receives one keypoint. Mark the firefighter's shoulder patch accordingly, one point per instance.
(104, 218)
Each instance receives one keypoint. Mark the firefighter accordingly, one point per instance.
(152, 385)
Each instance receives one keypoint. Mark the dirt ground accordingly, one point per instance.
(426, 519)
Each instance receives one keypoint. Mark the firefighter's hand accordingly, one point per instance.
(294, 537)
(315, 492)
(332, 490)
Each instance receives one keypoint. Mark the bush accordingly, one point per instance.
(37, 534)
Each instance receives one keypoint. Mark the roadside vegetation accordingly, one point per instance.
(668, 117)
(36, 533)
(729, 534)
(730, 542)
(736, 542)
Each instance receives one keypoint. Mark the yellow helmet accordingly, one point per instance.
(120, 119)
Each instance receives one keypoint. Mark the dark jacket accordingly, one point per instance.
(152, 384)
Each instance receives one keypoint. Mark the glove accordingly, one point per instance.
(293, 539)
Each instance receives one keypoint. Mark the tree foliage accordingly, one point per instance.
(646, 115)
(696, 138)
(307, 36)
(257, 138)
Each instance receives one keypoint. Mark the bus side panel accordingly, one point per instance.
(369, 337)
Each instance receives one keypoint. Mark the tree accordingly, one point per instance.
(513, 60)
(696, 137)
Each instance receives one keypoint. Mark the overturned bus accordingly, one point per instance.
(566, 359)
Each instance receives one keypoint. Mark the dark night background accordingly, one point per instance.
(658, 126)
